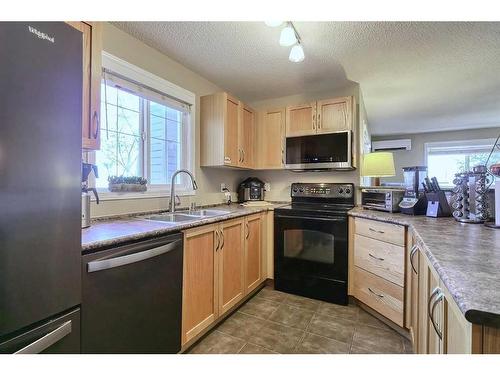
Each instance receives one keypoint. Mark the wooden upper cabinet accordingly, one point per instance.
(247, 138)
(231, 130)
(270, 139)
(300, 120)
(92, 67)
(231, 264)
(334, 114)
(323, 116)
(253, 251)
(200, 282)
(227, 135)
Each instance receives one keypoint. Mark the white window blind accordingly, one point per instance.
(146, 92)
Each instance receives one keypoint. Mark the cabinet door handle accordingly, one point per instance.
(374, 257)
(414, 250)
(217, 239)
(222, 236)
(242, 156)
(376, 231)
(248, 231)
(319, 120)
(439, 298)
(378, 295)
(314, 124)
(95, 120)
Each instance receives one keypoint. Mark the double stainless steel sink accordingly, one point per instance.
(186, 216)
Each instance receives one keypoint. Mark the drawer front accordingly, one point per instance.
(378, 230)
(381, 258)
(380, 294)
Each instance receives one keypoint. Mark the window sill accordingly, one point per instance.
(105, 195)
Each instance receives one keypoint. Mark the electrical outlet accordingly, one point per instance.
(222, 187)
(267, 186)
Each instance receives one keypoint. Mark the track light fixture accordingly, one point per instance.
(289, 37)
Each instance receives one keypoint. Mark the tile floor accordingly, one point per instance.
(273, 322)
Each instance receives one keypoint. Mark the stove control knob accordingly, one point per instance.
(295, 190)
(301, 190)
(348, 191)
(341, 190)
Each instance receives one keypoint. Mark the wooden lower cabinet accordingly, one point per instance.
(253, 251)
(223, 262)
(200, 287)
(231, 264)
(441, 326)
(411, 291)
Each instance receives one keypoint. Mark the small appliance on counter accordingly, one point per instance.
(470, 202)
(86, 169)
(414, 200)
(251, 189)
(381, 199)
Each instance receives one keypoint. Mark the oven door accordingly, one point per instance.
(311, 256)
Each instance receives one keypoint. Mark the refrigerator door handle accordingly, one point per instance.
(100, 265)
(48, 340)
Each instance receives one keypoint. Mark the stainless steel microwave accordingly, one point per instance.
(320, 151)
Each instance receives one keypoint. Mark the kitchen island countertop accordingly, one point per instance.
(466, 257)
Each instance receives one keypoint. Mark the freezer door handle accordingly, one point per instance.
(48, 340)
(104, 264)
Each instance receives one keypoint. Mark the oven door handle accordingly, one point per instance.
(336, 219)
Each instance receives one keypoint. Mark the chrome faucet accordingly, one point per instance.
(172, 187)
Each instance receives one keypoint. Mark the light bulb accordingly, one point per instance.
(273, 23)
(287, 37)
(296, 53)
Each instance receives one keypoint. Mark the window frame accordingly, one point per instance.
(472, 144)
(188, 148)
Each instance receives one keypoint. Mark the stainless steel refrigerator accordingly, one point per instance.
(40, 187)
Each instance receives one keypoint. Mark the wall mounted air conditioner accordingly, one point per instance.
(392, 145)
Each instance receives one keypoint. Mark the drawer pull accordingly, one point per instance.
(378, 295)
(374, 257)
(376, 231)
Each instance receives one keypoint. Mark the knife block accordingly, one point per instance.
(437, 204)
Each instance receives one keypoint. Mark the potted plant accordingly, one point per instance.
(121, 184)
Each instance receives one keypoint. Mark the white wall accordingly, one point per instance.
(416, 156)
(128, 48)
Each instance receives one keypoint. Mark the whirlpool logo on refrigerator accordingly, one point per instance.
(40, 34)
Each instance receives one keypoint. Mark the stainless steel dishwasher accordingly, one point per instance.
(132, 298)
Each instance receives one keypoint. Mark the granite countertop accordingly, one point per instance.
(116, 231)
(466, 257)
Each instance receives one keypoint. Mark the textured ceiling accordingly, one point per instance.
(414, 76)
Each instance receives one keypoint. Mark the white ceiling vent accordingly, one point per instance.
(392, 145)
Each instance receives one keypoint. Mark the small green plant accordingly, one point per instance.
(121, 184)
(134, 180)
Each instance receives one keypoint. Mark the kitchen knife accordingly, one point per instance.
(436, 183)
(429, 184)
(425, 187)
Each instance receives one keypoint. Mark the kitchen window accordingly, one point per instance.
(145, 131)
(445, 159)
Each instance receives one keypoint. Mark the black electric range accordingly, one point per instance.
(310, 241)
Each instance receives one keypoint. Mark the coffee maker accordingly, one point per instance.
(86, 169)
(414, 200)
